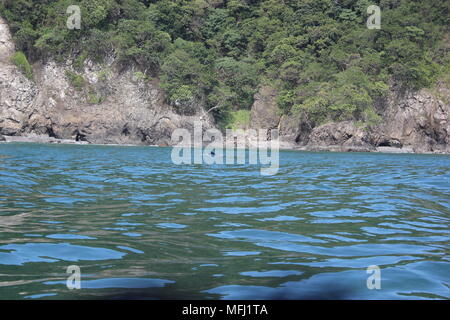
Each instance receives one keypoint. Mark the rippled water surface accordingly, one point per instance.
(140, 227)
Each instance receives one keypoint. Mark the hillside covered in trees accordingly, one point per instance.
(319, 54)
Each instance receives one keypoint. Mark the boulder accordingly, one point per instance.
(345, 134)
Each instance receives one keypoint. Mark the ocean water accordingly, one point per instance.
(140, 227)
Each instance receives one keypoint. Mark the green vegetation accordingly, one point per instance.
(76, 80)
(94, 98)
(104, 74)
(78, 64)
(239, 119)
(319, 54)
(21, 61)
(140, 76)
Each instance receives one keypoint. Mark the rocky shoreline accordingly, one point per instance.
(33, 138)
(38, 139)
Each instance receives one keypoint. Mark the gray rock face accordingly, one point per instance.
(111, 107)
(344, 134)
(419, 121)
(17, 93)
(6, 44)
(264, 113)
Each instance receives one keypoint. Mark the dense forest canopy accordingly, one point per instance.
(319, 54)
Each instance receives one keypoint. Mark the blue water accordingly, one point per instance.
(140, 227)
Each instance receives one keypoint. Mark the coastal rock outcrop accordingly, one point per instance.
(97, 104)
(418, 120)
(410, 122)
(345, 135)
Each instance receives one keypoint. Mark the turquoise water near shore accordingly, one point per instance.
(140, 227)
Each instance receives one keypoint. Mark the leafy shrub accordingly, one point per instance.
(21, 62)
(239, 119)
(76, 80)
(94, 98)
(78, 64)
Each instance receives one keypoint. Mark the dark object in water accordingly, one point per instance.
(213, 153)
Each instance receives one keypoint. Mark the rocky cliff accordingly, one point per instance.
(411, 122)
(109, 106)
(113, 106)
